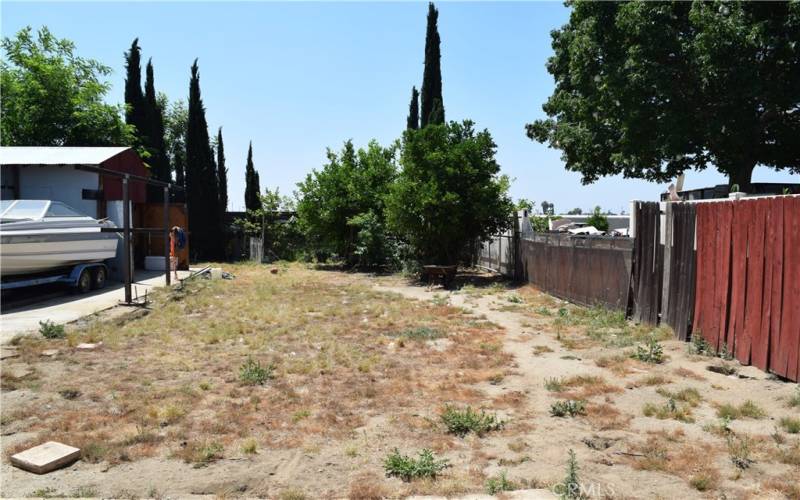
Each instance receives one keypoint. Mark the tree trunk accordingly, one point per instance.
(741, 176)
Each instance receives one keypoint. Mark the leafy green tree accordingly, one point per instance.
(176, 117)
(252, 184)
(652, 89)
(222, 174)
(283, 239)
(449, 193)
(412, 122)
(524, 204)
(575, 211)
(342, 209)
(153, 133)
(205, 224)
(598, 220)
(431, 101)
(52, 97)
(548, 208)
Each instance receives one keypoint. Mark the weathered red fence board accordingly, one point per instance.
(747, 296)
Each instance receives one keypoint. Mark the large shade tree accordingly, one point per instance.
(342, 209)
(652, 89)
(449, 193)
(53, 97)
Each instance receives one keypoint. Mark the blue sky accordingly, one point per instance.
(296, 78)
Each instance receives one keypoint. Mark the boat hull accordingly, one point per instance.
(50, 250)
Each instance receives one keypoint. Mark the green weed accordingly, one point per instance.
(426, 465)
(500, 483)
(568, 407)
(50, 330)
(252, 373)
(463, 421)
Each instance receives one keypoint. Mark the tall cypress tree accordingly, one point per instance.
(222, 175)
(134, 99)
(431, 101)
(154, 129)
(412, 123)
(252, 185)
(205, 224)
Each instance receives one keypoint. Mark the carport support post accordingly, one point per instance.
(167, 266)
(126, 239)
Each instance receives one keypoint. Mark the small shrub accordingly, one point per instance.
(408, 468)
(748, 409)
(292, 494)
(791, 425)
(794, 401)
(701, 346)
(701, 482)
(93, 452)
(462, 422)
(554, 384)
(515, 299)
(721, 428)
(568, 407)
(252, 373)
(688, 395)
(739, 451)
(300, 415)
(50, 330)
(669, 410)
(651, 352)
(250, 446)
(500, 483)
(205, 386)
(207, 452)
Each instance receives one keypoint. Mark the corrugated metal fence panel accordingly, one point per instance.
(589, 271)
(748, 281)
(648, 262)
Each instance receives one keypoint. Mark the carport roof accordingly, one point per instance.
(57, 155)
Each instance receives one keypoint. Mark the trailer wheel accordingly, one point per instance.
(99, 278)
(84, 283)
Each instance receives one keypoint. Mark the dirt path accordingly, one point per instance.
(603, 441)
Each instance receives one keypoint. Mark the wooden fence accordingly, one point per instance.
(586, 270)
(726, 270)
(748, 281)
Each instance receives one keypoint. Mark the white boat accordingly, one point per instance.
(37, 236)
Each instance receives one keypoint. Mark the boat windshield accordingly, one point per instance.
(58, 209)
(22, 209)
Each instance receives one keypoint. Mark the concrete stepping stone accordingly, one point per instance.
(46, 457)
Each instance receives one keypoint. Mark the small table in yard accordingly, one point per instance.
(446, 273)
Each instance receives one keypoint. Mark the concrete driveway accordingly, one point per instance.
(69, 307)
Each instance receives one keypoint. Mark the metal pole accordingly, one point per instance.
(126, 238)
(167, 267)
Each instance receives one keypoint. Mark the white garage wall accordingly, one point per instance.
(64, 184)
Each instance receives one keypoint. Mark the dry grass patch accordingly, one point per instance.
(694, 463)
(293, 360)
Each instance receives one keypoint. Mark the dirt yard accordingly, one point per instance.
(300, 384)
